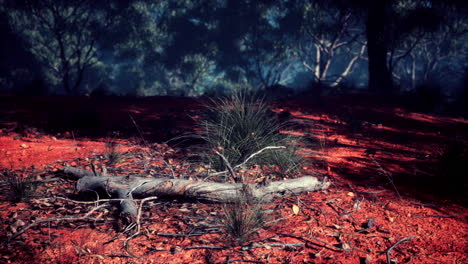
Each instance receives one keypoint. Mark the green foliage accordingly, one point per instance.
(59, 35)
(239, 126)
(243, 217)
(20, 188)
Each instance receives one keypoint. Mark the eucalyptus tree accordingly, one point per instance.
(59, 35)
(435, 50)
(332, 41)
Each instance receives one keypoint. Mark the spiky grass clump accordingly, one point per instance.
(239, 126)
(243, 217)
(20, 188)
(283, 163)
(111, 153)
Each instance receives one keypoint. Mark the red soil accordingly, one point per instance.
(386, 165)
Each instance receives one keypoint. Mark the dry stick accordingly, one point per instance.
(66, 218)
(87, 202)
(388, 175)
(273, 245)
(245, 161)
(138, 129)
(138, 224)
(205, 247)
(258, 152)
(389, 251)
(319, 240)
(228, 164)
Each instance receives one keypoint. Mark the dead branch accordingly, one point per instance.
(241, 165)
(273, 245)
(53, 219)
(258, 152)
(138, 225)
(126, 188)
(228, 165)
(308, 238)
(389, 251)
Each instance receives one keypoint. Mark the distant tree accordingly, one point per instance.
(377, 46)
(60, 37)
(331, 34)
(267, 45)
(435, 46)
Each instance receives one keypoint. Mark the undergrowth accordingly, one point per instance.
(20, 188)
(243, 217)
(239, 126)
(112, 153)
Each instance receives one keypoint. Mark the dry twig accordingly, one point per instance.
(52, 219)
(389, 251)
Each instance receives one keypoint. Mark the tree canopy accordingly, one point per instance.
(194, 47)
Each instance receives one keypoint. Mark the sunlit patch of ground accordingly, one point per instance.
(378, 163)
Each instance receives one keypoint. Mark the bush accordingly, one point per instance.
(284, 162)
(111, 152)
(243, 217)
(238, 127)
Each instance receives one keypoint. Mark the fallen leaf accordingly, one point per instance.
(345, 246)
(337, 226)
(295, 209)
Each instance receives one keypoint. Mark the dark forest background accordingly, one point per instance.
(194, 48)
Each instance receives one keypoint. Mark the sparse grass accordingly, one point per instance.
(111, 152)
(241, 125)
(243, 217)
(283, 162)
(19, 187)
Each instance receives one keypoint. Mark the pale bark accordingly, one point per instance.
(127, 187)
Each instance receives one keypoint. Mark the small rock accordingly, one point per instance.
(25, 146)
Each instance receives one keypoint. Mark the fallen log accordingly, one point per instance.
(126, 187)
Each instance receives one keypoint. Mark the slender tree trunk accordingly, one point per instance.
(413, 73)
(317, 63)
(349, 67)
(379, 76)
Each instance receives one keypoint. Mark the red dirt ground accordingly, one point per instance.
(392, 174)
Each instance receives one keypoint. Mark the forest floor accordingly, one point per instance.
(396, 193)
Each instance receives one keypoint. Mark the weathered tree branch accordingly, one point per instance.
(128, 187)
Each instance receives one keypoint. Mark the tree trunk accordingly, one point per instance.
(349, 67)
(379, 76)
(125, 187)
